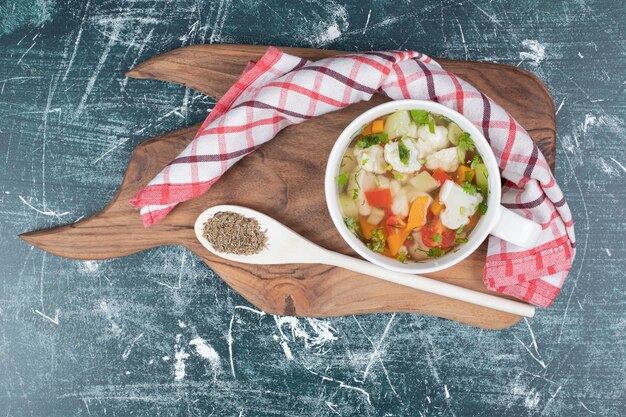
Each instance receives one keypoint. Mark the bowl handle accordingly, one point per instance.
(516, 229)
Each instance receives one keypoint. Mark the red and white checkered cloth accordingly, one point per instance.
(280, 90)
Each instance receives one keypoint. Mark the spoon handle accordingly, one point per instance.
(430, 285)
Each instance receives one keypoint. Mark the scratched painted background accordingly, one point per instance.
(158, 334)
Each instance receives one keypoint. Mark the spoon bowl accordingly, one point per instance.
(284, 246)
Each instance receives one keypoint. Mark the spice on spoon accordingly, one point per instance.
(230, 232)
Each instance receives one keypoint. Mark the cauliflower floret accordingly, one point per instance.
(429, 143)
(371, 159)
(392, 156)
(459, 205)
(446, 159)
(437, 140)
(361, 181)
(412, 131)
(400, 204)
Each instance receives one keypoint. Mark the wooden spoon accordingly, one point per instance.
(284, 246)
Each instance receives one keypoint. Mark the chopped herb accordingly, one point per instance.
(409, 238)
(353, 226)
(355, 194)
(398, 177)
(435, 252)
(422, 117)
(462, 210)
(343, 162)
(404, 153)
(437, 238)
(469, 188)
(372, 139)
(482, 209)
(356, 179)
(419, 117)
(476, 161)
(377, 242)
(402, 257)
(364, 161)
(342, 179)
(465, 142)
(457, 236)
(388, 167)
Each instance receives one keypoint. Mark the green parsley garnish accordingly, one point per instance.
(476, 161)
(342, 179)
(482, 209)
(372, 139)
(364, 161)
(402, 257)
(469, 188)
(377, 242)
(419, 117)
(409, 237)
(465, 142)
(353, 226)
(422, 117)
(437, 238)
(388, 167)
(457, 236)
(355, 194)
(343, 162)
(435, 252)
(404, 153)
(462, 210)
(398, 177)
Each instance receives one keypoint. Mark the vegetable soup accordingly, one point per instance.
(412, 185)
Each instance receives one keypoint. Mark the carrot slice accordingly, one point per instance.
(378, 125)
(437, 206)
(418, 212)
(464, 173)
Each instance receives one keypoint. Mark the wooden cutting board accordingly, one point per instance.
(285, 179)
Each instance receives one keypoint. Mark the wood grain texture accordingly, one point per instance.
(284, 179)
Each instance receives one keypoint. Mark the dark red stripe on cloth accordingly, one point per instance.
(527, 205)
(261, 105)
(213, 158)
(341, 78)
(300, 64)
(287, 86)
(560, 203)
(486, 116)
(430, 85)
(240, 128)
(389, 58)
(532, 162)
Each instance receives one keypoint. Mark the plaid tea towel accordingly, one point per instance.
(280, 90)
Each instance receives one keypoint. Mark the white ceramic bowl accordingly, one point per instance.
(498, 220)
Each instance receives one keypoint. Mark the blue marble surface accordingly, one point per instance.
(158, 334)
